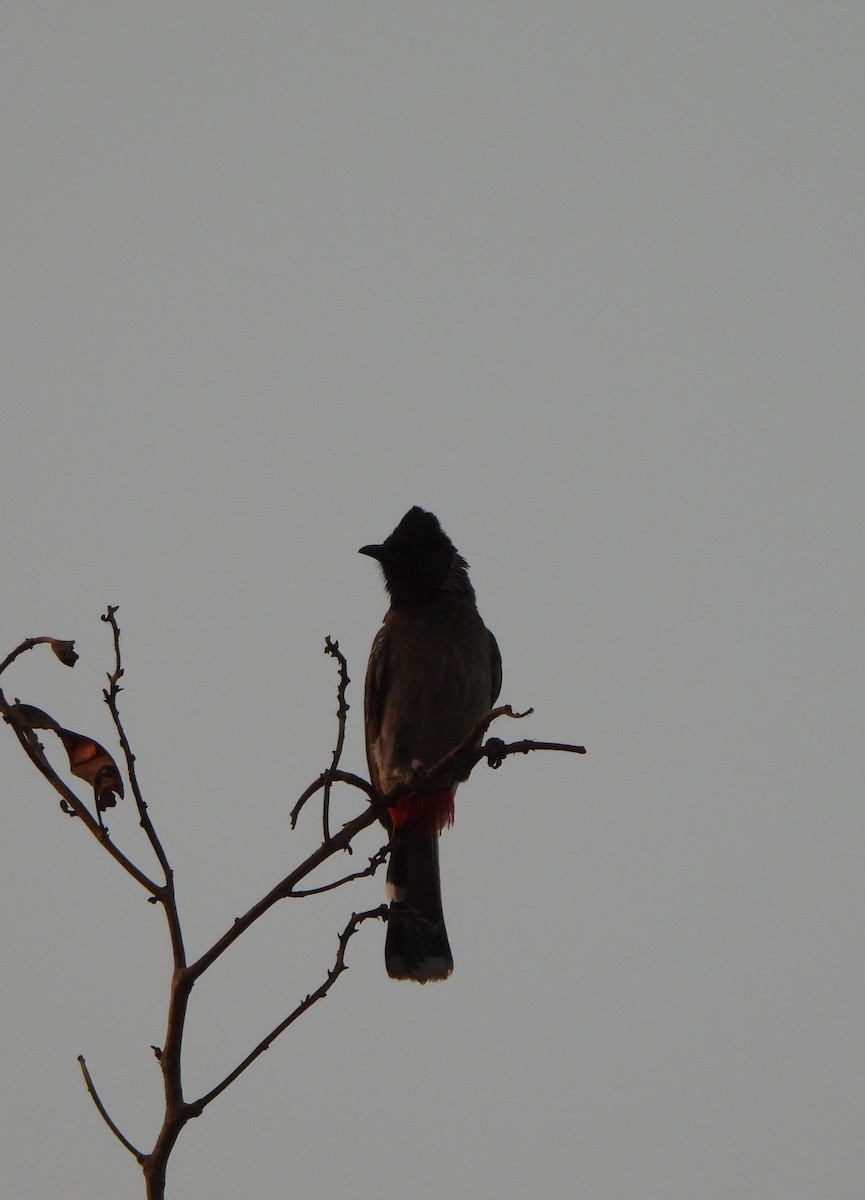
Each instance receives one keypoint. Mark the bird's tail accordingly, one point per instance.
(416, 945)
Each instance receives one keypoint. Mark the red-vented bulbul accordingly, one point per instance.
(434, 671)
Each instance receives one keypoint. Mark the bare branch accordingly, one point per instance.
(166, 894)
(340, 965)
(469, 752)
(104, 1113)
(110, 695)
(286, 886)
(496, 752)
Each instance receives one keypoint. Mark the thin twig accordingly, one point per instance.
(493, 751)
(57, 645)
(332, 648)
(166, 894)
(465, 757)
(110, 695)
(104, 1113)
(376, 860)
(335, 777)
(340, 965)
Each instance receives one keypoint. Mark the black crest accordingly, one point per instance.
(419, 560)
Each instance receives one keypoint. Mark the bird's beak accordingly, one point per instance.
(376, 552)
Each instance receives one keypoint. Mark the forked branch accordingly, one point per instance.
(339, 965)
(26, 720)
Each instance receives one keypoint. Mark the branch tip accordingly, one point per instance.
(124, 1141)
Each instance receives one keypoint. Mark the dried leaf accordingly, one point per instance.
(65, 651)
(92, 763)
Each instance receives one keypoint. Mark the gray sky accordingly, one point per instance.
(587, 281)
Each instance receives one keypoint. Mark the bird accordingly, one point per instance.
(434, 672)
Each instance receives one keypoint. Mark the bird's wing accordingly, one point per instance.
(495, 669)
(375, 689)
